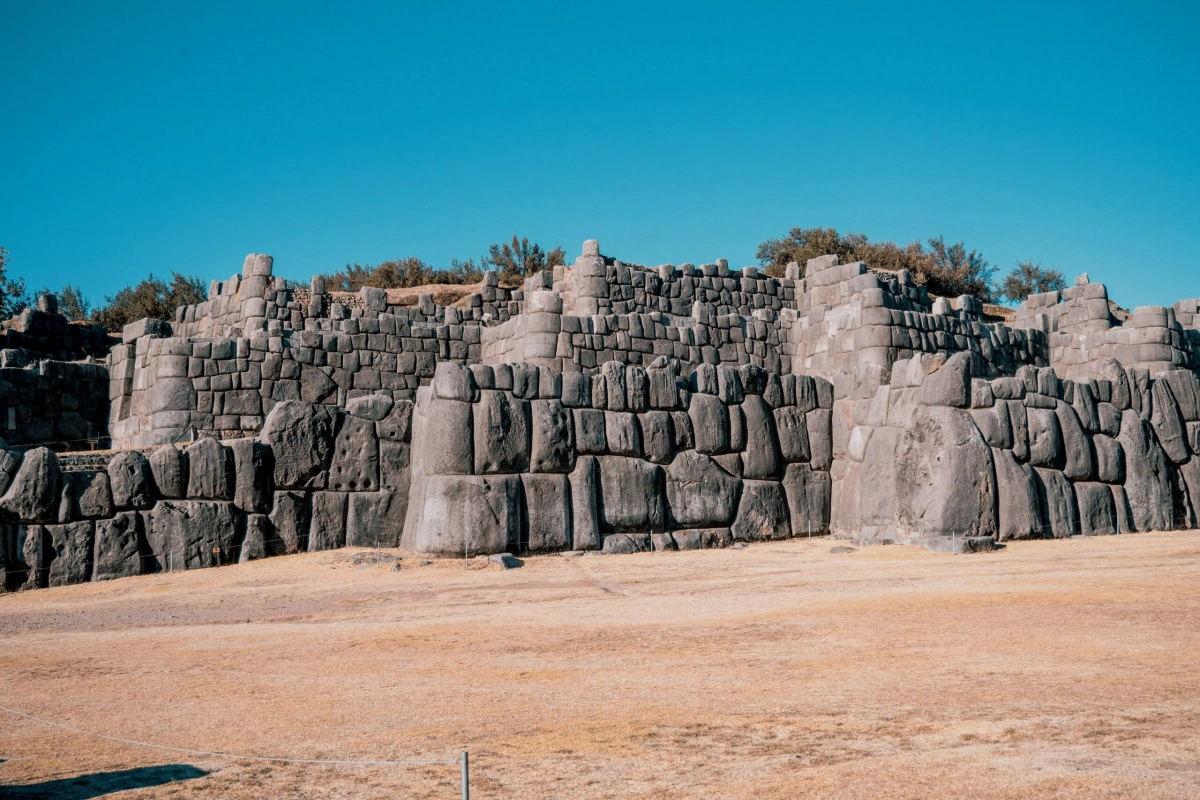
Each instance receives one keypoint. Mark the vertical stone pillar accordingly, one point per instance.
(591, 285)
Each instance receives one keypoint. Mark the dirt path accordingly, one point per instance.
(1064, 668)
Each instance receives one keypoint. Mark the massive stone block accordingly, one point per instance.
(1109, 369)
(793, 434)
(375, 519)
(447, 430)
(289, 520)
(210, 470)
(253, 469)
(1097, 510)
(1147, 476)
(699, 493)
(1060, 516)
(553, 437)
(950, 385)
(301, 439)
(257, 541)
(1079, 465)
(502, 433)
(1168, 423)
(810, 495)
(710, 424)
(548, 513)
(623, 433)
(1018, 506)
(397, 425)
(658, 438)
(1045, 438)
(467, 515)
(590, 438)
(631, 495)
(1185, 389)
(355, 463)
(1110, 459)
(92, 495)
(1018, 419)
(69, 554)
(994, 425)
(762, 459)
(192, 534)
(327, 524)
(119, 545)
(762, 512)
(585, 514)
(131, 480)
(820, 437)
(169, 467)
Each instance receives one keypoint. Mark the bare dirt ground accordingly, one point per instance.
(1049, 669)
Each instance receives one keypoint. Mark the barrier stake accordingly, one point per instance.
(466, 778)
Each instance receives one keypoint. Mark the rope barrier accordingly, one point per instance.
(233, 756)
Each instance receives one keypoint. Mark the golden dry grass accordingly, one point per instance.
(1049, 669)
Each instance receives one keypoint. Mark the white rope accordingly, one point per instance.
(233, 756)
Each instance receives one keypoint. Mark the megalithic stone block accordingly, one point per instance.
(301, 440)
(585, 516)
(120, 543)
(131, 480)
(1147, 475)
(699, 493)
(168, 465)
(810, 495)
(1060, 515)
(762, 512)
(1017, 498)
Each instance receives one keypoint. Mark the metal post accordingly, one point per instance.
(466, 778)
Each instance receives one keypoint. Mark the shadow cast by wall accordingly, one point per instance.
(98, 784)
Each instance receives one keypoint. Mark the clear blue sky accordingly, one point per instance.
(158, 137)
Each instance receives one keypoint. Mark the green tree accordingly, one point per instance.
(401, 273)
(150, 298)
(952, 271)
(13, 297)
(1028, 278)
(521, 258)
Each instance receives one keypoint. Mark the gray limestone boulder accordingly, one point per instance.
(1109, 419)
(453, 381)
(1140, 392)
(300, 436)
(585, 514)
(1124, 512)
(374, 407)
(762, 459)
(448, 425)
(704, 380)
(92, 495)
(395, 473)
(577, 389)
(168, 465)
(590, 436)
(658, 439)
(950, 385)
(467, 515)
(1008, 388)
(253, 470)
(729, 385)
(397, 425)
(355, 463)
(1097, 510)
(626, 543)
(1185, 389)
(255, 542)
(210, 471)
(1110, 459)
(793, 434)
(762, 512)
(69, 553)
(327, 521)
(631, 495)
(753, 378)
(1109, 369)
(702, 539)
(1168, 423)
(699, 493)
(130, 479)
(375, 519)
(1079, 464)
(10, 463)
(663, 392)
(119, 545)
(623, 433)
(1018, 420)
(1018, 505)
(737, 429)
(637, 389)
(681, 426)
(193, 534)
(553, 437)
(1084, 403)
(315, 386)
(810, 497)
(548, 514)
(994, 425)
(614, 384)
(1147, 475)
(981, 394)
(1045, 438)
(806, 394)
(820, 437)
(1060, 516)
(526, 381)
(33, 544)
(945, 482)
(502, 433)
(1193, 435)
(710, 424)
(289, 520)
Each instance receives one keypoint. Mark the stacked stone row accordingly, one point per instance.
(316, 479)
(42, 333)
(58, 402)
(531, 459)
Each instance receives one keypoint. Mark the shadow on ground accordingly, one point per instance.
(98, 784)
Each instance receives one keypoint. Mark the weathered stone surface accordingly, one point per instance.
(1008, 389)
(301, 439)
(397, 425)
(315, 385)
(130, 479)
(994, 425)
(355, 463)
(703, 539)
(210, 471)
(1110, 459)
(553, 437)
(394, 471)
(1109, 369)
(681, 426)
(623, 433)
(663, 392)
(502, 433)
(289, 520)
(92, 495)
(737, 429)
(69, 554)
(793, 434)
(1124, 513)
(192, 534)
(548, 513)
(1168, 424)
(1045, 438)
(585, 516)
(1193, 435)
(762, 513)
(526, 381)
(860, 438)
(614, 383)
(810, 496)
(762, 459)
(1147, 476)
(375, 519)
(1018, 419)
(820, 437)
(1079, 465)
(374, 407)
(699, 493)
(119, 545)
(1084, 404)
(950, 385)
(1018, 506)
(169, 466)
(259, 533)
(467, 515)
(710, 424)
(945, 482)
(657, 436)
(625, 543)
(590, 436)
(662, 542)
(327, 522)
(577, 389)
(253, 469)
(1110, 419)
(1185, 389)
(806, 394)
(453, 381)
(631, 495)
(449, 424)
(1060, 516)
(1097, 511)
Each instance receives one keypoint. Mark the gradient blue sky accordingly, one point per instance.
(158, 136)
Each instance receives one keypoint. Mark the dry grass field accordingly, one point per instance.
(1049, 669)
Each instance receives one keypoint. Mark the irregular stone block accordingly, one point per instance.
(289, 520)
(210, 471)
(663, 393)
(753, 378)
(1018, 504)
(710, 424)
(502, 433)
(614, 383)
(1110, 459)
(169, 467)
(526, 379)
(92, 495)
(590, 436)
(1147, 476)
(762, 459)
(1109, 418)
(130, 479)
(374, 407)
(1045, 438)
(394, 471)
(729, 385)
(315, 386)
(737, 429)
(1097, 511)
(1193, 435)
(576, 390)
(1109, 369)
(793, 434)
(708, 538)
(1168, 424)
(1060, 517)
(762, 513)
(301, 439)
(1079, 465)
(585, 516)
(820, 437)
(810, 496)
(1185, 389)
(623, 433)
(453, 381)
(1018, 420)
(375, 519)
(699, 493)
(681, 425)
(1008, 389)
(950, 385)
(355, 463)
(467, 514)
(119, 545)
(704, 380)
(981, 394)
(657, 436)
(327, 525)
(69, 555)
(631, 495)
(1124, 513)
(662, 542)
(548, 513)
(193, 534)
(253, 468)
(1084, 404)
(994, 425)
(625, 543)
(259, 533)
(397, 425)
(637, 389)
(448, 428)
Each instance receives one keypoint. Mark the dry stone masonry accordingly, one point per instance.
(598, 407)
